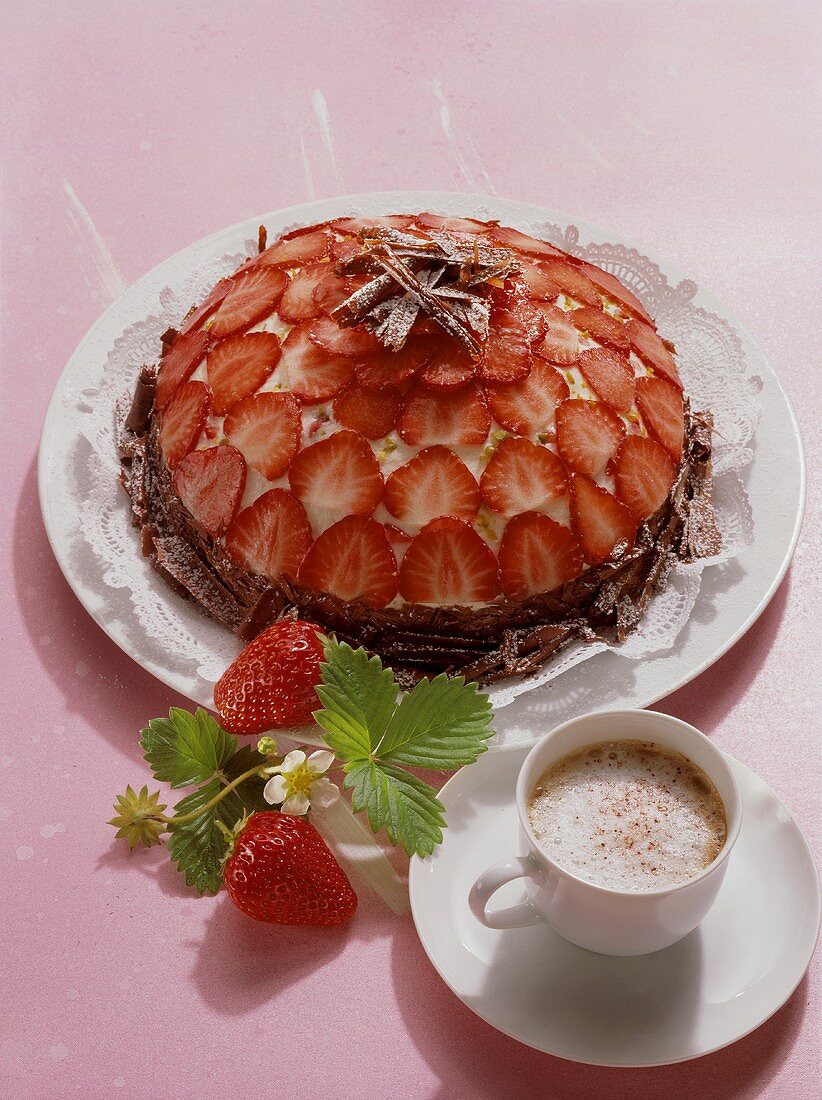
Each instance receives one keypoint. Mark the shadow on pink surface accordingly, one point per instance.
(97, 680)
(474, 1060)
(153, 865)
(241, 964)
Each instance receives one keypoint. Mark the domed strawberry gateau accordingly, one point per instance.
(441, 438)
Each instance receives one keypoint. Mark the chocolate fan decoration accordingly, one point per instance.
(440, 274)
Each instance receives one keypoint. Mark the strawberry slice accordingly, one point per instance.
(521, 241)
(454, 417)
(298, 302)
(599, 520)
(353, 343)
(451, 225)
(270, 537)
(196, 316)
(600, 326)
(538, 284)
(610, 375)
(267, 428)
(352, 560)
(340, 474)
(448, 564)
(372, 413)
(561, 342)
(588, 434)
(528, 407)
(643, 474)
(573, 282)
(435, 482)
(178, 364)
(388, 369)
(522, 476)
(345, 249)
(353, 226)
(652, 351)
(333, 290)
(451, 367)
(507, 355)
(253, 294)
(537, 555)
(296, 250)
(612, 288)
(313, 375)
(210, 483)
(239, 365)
(182, 421)
(663, 414)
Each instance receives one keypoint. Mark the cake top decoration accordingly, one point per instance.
(437, 273)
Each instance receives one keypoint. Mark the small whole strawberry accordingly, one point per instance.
(271, 684)
(281, 871)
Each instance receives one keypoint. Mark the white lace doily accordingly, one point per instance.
(173, 639)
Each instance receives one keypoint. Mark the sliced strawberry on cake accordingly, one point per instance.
(338, 474)
(528, 406)
(183, 420)
(270, 537)
(663, 413)
(210, 484)
(352, 560)
(267, 428)
(560, 344)
(311, 373)
(643, 475)
(652, 350)
(178, 364)
(435, 482)
(253, 293)
(610, 375)
(448, 563)
(372, 413)
(522, 476)
(588, 434)
(600, 522)
(536, 555)
(454, 418)
(239, 365)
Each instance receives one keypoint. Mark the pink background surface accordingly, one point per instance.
(689, 129)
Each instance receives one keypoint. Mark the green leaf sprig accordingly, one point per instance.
(193, 751)
(377, 731)
(441, 723)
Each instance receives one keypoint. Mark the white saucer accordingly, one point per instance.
(712, 988)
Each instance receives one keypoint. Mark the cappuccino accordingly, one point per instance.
(628, 815)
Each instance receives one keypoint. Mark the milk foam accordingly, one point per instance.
(628, 815)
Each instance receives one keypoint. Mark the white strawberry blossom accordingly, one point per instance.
(298, 783)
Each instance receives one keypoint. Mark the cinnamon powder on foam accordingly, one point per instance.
(628, 815)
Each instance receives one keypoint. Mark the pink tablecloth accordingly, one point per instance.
(131, 130)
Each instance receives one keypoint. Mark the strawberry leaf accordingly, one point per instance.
(198, 846)
(359, 696)
(186, 749)
(442, 723)
(399, 802)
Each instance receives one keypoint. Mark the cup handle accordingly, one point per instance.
(515, 916)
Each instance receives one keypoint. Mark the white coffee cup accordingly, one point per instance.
(612, 922)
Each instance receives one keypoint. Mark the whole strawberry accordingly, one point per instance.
(281, 871)
(271, 683)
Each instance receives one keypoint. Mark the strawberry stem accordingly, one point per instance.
(258, 769)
